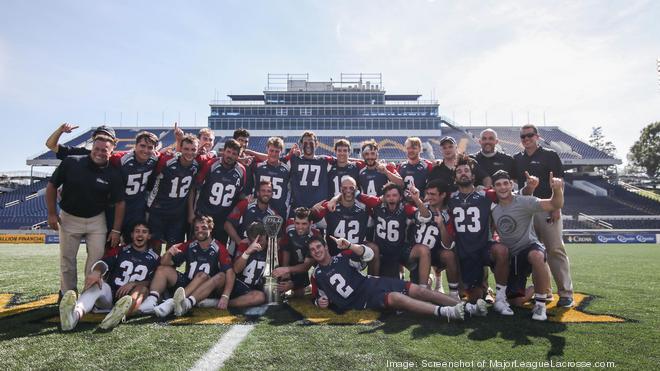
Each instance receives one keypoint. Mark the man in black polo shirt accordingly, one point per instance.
(445, 170)
(539, 162)
(89, 186)
(490, 159)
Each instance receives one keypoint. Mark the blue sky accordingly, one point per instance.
(578, 63)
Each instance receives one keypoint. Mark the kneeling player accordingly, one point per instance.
(338, 281)
(470, 210)
(205, 257)
(130, 269)
(295, 251)
(393, 216)
(514, 219)
(245, 289)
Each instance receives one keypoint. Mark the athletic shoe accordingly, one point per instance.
(538, 313)
(208, 303)
(502, 307)
(565, 302)
(490, 296)
(68, 316)
(478, 309)
(165, 308)
(118, 313)
(181, 303)
(148, 305)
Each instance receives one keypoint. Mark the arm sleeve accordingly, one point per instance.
(59, 175)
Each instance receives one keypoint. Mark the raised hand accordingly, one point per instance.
(255, 246)
(342, 243)
(67, 128)
(178, 133)
(531, 181)
(556, 183)
(174, 250)
(414, 192)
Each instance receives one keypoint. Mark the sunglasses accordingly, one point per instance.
(528, 135)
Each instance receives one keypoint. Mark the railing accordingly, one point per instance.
(598, 222)
(640, 191)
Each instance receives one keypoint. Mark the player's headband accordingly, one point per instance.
(369, 147)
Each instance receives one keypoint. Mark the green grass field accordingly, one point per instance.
(622, 278)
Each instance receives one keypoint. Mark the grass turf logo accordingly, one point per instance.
(311, 314)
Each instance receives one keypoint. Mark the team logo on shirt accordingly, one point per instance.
(506, 224)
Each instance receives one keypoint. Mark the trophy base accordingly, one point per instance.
(272, 295)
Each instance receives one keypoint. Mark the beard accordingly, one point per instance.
(464, 182)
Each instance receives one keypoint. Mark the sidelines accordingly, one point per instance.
(215, 358)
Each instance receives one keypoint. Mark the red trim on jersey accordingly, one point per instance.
(409, 209)
(491, 194)
(115, 158)
(239, 210)
(370, 201)
(206, 167)
(113, 252)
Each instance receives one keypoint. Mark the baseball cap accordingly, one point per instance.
(105, 129)
(447, 139)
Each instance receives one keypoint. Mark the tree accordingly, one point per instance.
(598, 141)
(646, 151)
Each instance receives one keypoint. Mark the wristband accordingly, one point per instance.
(245, 256)
(115, 231)
(224, 296)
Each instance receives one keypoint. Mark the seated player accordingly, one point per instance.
(435, 235)
(129, 270)
(392, 217)
(337, 281)
(470, 210)
(513, 217)
(246, 289)
(294, 250)
(204, 256)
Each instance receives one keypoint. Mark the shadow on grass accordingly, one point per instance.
(520, 329)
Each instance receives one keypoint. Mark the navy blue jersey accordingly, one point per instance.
(348, 222)
(246, 213)
(309, 180)
(125, 264)
(391, 226)
(135, 175)
(170, 185)
(335, 173)
(341, 281)
(211, 260)
(470, 214)
(297, 245)
(428, 233)
(219, 187)
(371, 181)
(416, 174)
(278, 176)
(253, 273)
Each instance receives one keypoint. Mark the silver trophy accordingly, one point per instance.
(273, 223)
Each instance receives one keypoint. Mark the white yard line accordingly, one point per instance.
(215, 358)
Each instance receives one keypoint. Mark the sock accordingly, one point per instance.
(87, 300)
(444, 312)
(155, 294)
(437, 311)
(424, 286)
(192, 301)
(500, 292)
(540, 298)
(453, 287)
